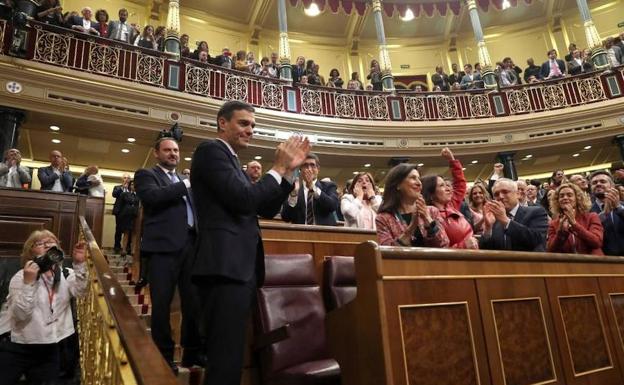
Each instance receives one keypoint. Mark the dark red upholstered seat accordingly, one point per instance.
(339, 287)
(291, 300)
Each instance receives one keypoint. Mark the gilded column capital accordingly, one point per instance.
(472, 4)
(376, 5)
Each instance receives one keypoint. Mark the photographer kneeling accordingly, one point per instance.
(39, 310)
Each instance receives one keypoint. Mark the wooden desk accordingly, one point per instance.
(319, 241)
(458, 317)
(23, 211)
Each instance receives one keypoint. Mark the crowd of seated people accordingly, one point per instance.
(580, 215)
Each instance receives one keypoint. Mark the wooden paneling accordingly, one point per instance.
(23, 211)
(429, 314)
(431, 317)
(517, 323)
(586, 346)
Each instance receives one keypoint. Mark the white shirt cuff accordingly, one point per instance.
(276, 175)
(317, 191)
(187, 183)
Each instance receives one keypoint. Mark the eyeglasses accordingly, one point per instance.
(46, 244)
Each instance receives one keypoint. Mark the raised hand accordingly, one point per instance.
(498, 169)
(498, 210)
(358, 191)
(79, 253)
(612, 200)
(290, 154)
(447, 154)
(31, 270)
(488, 218)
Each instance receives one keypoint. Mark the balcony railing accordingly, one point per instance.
(115, 347)
(69, 49)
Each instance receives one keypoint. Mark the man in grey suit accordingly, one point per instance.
(470, 80)
(12, 174)
(120, 29)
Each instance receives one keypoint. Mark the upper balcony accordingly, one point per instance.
(150, 89)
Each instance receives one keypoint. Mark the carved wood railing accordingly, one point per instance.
(71, 49)
(115, 347)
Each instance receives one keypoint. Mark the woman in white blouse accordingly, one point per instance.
(38, 312)
(359, 206)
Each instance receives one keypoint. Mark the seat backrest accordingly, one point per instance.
(291, 294)
(339, 287)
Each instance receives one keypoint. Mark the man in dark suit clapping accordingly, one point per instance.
(312, 202)
(510, 226)
(169, 233)
(229, 263)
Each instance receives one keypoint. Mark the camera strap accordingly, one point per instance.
(50, 295)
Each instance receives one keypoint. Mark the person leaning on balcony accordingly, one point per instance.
(360, 204)
(38, 315)
(355, 83)
(448, 199)
(50, 12)
(552, 68)
(55, 177)
(101, 16)
(146, 39)
(531, 70)
(573, 229)
(404, 219)
(375, 75)
(578, 65)
(120, 30)
(12, 174)
(84, 23)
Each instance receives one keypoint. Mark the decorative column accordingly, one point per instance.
(10, 122)
(284, 46)
(172, 39)
(387, 79)
(619, 140)
(487, 75)
(509, 167)
(598, 53)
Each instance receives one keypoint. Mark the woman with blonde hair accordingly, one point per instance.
(574, 229)
(38, 312)
(359, 205)
(477, 196)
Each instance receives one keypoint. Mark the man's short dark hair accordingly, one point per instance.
(601, 172)
(315, 157)
(159, 141)
(227, 110)
(122, 10)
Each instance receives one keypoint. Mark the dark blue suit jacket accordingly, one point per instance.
(47, 177)
(613, 227)
(165, 227)
(229, 242)
(325, 206)
(545, 70)
(526, 232)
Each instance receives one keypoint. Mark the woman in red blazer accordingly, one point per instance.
(574, 229)
(448, 200)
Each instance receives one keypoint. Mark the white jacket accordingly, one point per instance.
(351, 209)
(32, 322)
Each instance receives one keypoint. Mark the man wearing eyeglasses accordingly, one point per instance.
(510, 226)
(312, 202)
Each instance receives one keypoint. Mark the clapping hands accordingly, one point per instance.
(290, 154)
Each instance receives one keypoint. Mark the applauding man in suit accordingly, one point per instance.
(312, 202)
(510, 226)
(229, 262)
(167, 241)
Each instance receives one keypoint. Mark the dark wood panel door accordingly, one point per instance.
(434, 332)
(582, 328)
(612, 289)
(517, 324)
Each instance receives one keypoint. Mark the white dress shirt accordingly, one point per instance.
(58, 186)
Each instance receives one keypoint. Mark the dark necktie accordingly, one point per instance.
(310, 208)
